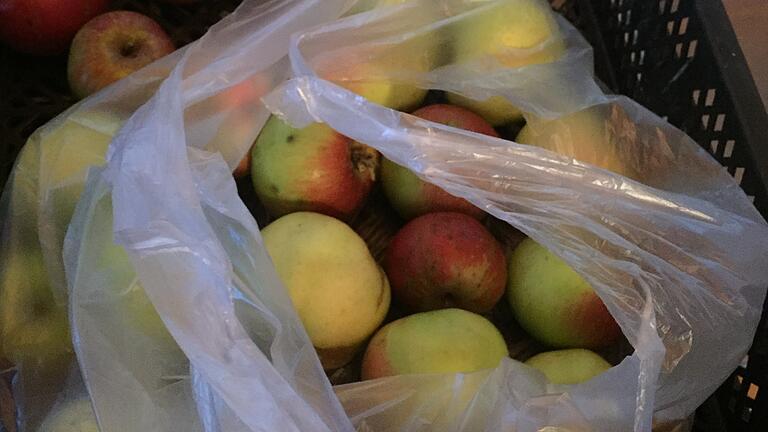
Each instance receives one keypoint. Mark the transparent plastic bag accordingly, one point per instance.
(47, 182)
(673, 248)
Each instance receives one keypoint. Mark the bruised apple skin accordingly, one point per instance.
(554, 303)
(411, 196)
(446, 260)
(442, 341)
(311, 169)
(339, 292)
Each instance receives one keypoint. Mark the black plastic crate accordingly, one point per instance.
(679, 58)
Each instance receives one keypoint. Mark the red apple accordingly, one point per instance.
(410, 195)
(45, 27)
(244, 167)
(553, 303)
(441, 260)
(241, 103)
(311, 169)
(112, 46)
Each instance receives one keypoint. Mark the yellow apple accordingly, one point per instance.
(586, 136)
(340, 293)
(441, 341)
(72, 416)
(554, 303)
(569, 366)
(118, 279)
(381, 72)
(32, 326)
(496, 110)
(141, 313)
(511, 34)
(66, 152)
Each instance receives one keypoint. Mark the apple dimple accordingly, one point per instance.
(111, 47)
(130, 49)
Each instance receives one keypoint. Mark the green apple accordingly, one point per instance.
(371, 70)
(132, 303)
(496, 110)
(339, 292)
(554, 303)
(32, 326)
(441, 341)
(569, 366)
(386, 92)
(511, 34)
(587, 136)
(117, 277)
(72, 416)
(311, 169)
(66, 152)
(411, 196)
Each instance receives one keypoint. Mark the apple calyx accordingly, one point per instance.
(365, 160)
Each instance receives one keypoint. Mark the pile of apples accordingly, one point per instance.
(443, 270)
(443, 267)
(422, 308)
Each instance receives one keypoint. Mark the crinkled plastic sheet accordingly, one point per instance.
(213, 370)
(224, 114)
(674, 251)
(37, 204)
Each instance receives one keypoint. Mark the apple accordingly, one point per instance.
(392, 94)
(554, 303)
(374, 70)
(54, 163)
(443, 260)
(33, 327)
(118, 277)
(241, 102)
(411, 196)
(67, 150)
(587, 136)
(496, 110)
(72, 416)
(569, 366)
(111, 47)
(339, 292)
(311, 169)
(243, 168)
(441, 341)
(510, 34)
(45, 27)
